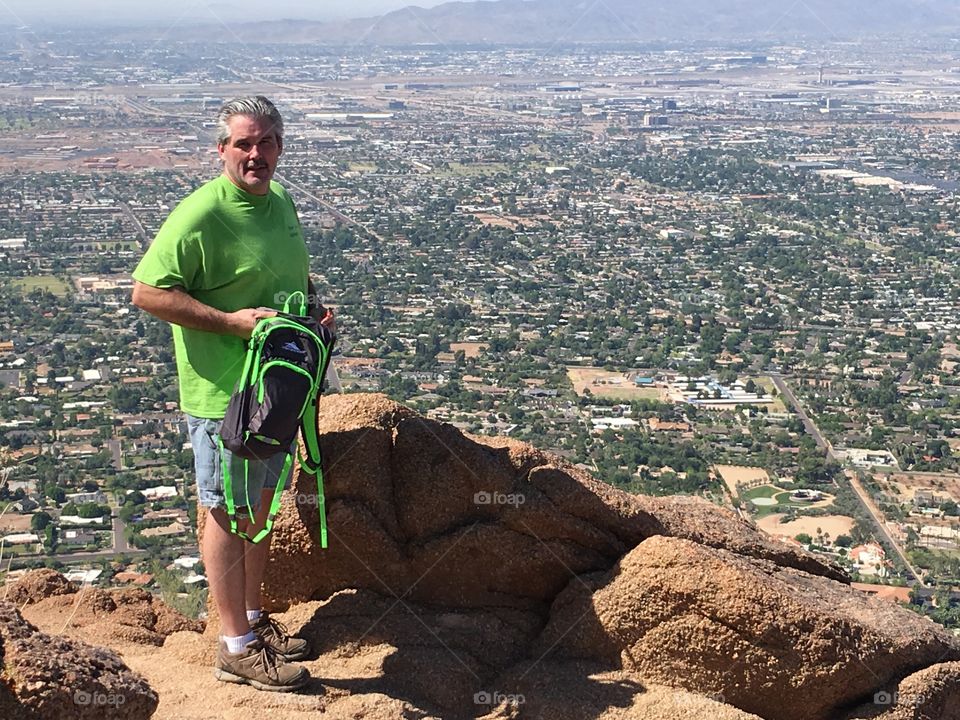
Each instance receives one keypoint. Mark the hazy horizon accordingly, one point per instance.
(111, 12)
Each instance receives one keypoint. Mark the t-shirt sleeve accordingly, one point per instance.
(174, 258)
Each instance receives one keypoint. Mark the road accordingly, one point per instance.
(116, 452)
(811, 427)
(85, 557)
(119, 536)
(330, 208)
(68, 559)
(865, 500)
(136, 223)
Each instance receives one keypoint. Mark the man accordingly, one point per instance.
(224, 259)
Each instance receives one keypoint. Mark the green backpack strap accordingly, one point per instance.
(288, 303)
(232, 505)
(313, 462)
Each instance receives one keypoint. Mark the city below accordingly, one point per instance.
(730, 271)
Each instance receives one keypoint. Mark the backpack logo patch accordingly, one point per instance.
(292, 347)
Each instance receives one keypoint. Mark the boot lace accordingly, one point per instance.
(267, 660)
(275, 628)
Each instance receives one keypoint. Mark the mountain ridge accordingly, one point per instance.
(541, 22)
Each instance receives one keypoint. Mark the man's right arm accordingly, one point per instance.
(176, 306)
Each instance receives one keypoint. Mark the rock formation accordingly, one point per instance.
(773, 641)
(38, 585)
(46, 677)
(417, 508)
(481, 578)
(492, 563)
(94, 615)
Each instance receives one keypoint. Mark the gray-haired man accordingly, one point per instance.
(225, 258)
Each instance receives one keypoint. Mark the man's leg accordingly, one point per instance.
(256, 555)
(221, 550)
(264, 627)
(224, 559)
(242, 656)
(259, 663)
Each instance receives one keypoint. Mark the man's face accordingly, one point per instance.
(251, 152)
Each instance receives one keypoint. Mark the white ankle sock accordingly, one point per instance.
(237, 644)
(253, 615)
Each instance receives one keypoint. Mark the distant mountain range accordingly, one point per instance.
(549, 22)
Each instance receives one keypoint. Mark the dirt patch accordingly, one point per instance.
(12, 523)
(833, 524)
(470, 349)
(611, 385)
(734, 475)
(496, 220)
(907, 484)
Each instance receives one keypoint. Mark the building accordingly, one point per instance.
(869, 559)
(174, 528)
(82, 498)
(160, 492)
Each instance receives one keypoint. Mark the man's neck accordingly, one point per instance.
(249, 191)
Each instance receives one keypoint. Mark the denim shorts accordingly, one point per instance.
(261, 474)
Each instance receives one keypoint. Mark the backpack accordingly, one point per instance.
(274, 399)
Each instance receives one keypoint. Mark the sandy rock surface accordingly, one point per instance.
(101, 616)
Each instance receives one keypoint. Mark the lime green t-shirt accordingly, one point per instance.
(230, 250)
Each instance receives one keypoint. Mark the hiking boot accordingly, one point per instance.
(259, 665)
(274, 634)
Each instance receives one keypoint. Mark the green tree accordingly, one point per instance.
(40, 521)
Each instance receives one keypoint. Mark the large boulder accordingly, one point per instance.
(417, 508)
(509, 573)
(46, 677)
(773, 641)
(929, 694)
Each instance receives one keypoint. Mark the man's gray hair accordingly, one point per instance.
(254, 105)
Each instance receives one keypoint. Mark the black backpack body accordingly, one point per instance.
(275, 398)
(287, 359)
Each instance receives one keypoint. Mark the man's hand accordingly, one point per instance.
(317, 311)
(242, 322)
(324, 316)
(329, 322)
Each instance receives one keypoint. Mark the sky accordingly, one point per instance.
(97, 12)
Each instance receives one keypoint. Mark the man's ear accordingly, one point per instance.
(220, 149)
(279, 145)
